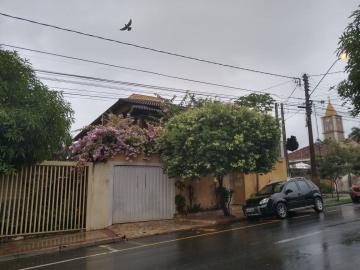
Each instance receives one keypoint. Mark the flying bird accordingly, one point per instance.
(127, 26)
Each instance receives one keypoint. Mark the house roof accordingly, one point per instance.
(303, 154)
(145, 98)
(140, 104)
(321, 149)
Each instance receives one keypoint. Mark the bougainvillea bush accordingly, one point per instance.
(121, 135)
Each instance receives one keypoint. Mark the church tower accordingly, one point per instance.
(332, 124)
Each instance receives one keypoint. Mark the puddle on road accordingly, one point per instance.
(351, 238)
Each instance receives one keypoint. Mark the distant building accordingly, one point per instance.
(332, 129)
(332, 124)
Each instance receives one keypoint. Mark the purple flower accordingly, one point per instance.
(165, 109)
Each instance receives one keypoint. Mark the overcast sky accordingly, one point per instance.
(278, 36)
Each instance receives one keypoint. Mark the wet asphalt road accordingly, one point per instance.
(305, 241)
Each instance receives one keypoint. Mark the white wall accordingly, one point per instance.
(100, 192)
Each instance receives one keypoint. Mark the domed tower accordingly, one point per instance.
(332, 124)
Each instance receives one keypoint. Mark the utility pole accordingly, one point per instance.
(278, 125)
(284, 137)
(308, 105)
(316, 122)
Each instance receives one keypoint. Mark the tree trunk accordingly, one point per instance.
(223, 197)
(337, 190)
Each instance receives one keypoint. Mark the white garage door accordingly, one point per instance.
(142, 193)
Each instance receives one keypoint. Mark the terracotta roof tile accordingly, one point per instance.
(144, 97)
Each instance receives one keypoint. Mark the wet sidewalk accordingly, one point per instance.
(117, 232)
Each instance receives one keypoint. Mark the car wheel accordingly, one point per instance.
(281, 210)
(318, 205)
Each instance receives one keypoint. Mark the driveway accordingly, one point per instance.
(305, 241)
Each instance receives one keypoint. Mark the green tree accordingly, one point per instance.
(216, 139)
(350, 44)
(261, 102)
(292, 143)
(355, 134)
(339, 160)
(34, 122)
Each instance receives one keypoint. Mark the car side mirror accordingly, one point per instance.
(288, 191)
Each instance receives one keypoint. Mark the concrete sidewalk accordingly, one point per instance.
(118, 232)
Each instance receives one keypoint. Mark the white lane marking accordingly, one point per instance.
(109, 248)
(152, 244)
(302, 216)
(296, 238)
(135, 242)
(69, 260)
(331, 211)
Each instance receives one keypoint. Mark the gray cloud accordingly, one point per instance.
(287, 37)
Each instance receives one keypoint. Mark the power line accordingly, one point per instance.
(128, 68)
(103, 92)
(154, 86)
(322, 78)
(173, 90)
(144, 47)
(161, 88)
(329, 73)
(292, 92)
(147, 71)
(95, 96)
(109, 95)
(295, 113)
(276, 85)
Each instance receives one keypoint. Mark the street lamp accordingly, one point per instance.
(344, 56)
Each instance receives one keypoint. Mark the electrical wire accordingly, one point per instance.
(134, 69)
(183, 91)
(144, 47)
(322, 78)
(154, 86)
(329, 73)
(151, 72)
(292, 92)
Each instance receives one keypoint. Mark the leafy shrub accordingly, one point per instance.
(325, 188)
(180, 203)
(120, 135)
(195, 208)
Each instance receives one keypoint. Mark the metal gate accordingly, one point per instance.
(142, 193)
(45, 198)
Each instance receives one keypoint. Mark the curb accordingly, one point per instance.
(224, 222)
(59, 249)
(337, 204)
(27, 254)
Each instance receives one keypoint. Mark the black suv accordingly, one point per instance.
(279, 197)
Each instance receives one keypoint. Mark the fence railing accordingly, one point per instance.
(44, 198)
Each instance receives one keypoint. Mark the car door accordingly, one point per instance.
(292, 195)
(306, 193)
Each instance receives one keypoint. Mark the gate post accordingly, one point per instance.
(89, 195)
